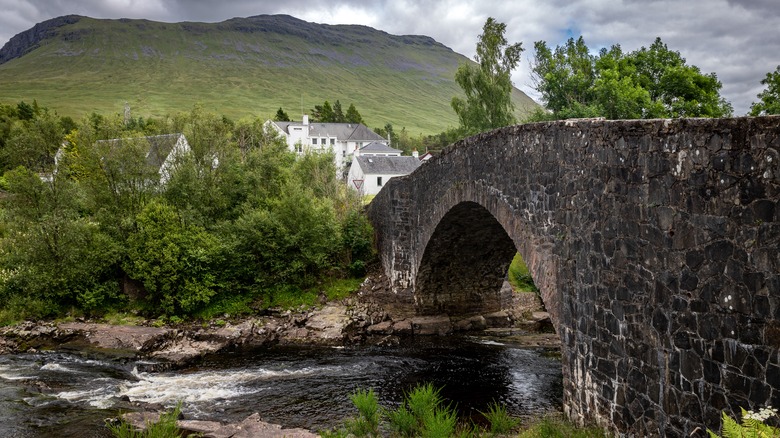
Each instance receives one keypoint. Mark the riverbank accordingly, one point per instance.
(346, 323)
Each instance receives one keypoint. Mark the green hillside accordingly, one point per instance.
(239, 67)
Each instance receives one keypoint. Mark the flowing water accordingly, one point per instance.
(68, 395)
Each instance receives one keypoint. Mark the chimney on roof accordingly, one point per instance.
(415, 154)
(305, 119)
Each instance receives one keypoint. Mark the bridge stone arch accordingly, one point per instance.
(655, 243)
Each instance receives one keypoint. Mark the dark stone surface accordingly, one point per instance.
(654, 244)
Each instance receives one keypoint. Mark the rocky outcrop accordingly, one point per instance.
(29, 40)
(356, 320)
(251, 427)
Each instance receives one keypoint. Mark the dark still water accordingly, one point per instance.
(67, 395)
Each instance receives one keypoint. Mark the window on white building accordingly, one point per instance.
(332, 141)
(313, 141)
(379, 181)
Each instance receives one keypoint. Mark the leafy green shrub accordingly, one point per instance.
(752, 425)
(51, 254)
(290, 240)
(357, 240)
(19, 308)
(174, 261)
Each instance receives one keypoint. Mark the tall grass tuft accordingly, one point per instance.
(500, 421)
(165, 427)
(367, 421)
(439, 423)
(423, 400)
(402, 421)
(553, 427)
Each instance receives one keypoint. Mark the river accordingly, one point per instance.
(56, 394)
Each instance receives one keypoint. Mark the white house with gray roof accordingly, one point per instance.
(161, 151)
(342, 138)
(369, 173)
(375, 149)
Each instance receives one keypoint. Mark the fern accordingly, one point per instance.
(752, 425)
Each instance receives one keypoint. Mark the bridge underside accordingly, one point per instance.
(464, 264)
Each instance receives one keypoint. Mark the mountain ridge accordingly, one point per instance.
(239, 67)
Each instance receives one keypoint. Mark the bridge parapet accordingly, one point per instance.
(655, 243)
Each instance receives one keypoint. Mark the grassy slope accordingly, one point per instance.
(238, 68)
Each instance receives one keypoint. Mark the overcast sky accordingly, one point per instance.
(739, 40)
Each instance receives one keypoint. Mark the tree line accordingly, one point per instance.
(239, 220)
(651, 82)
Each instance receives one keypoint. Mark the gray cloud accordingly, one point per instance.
(736, 39)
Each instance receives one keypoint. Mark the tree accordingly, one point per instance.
(565, 78)
(353, 116)
(323, 113)
(25, 111)
(114, 174)
(281, 116)
(33, 143)
(174, 261)
(647, 83)
(616, 92)
(682, 90)
(338, 113)
(55, 257)
(488, 86)
(769, 98)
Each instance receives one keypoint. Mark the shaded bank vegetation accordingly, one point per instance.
(425, 413)
(239, 223)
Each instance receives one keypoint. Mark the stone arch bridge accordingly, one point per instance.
(655, 244)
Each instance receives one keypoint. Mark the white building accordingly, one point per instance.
(160, 151)
(369, 173)
(342, 138)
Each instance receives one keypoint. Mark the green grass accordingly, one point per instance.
(283, 297)
(165, 427)
(122, 318)
(557, 427)
(519, 277)
(338, 289)
(164, 68)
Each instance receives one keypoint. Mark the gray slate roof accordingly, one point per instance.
(342, 131)
(388, 165)
(378, 148)
(160, 146)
